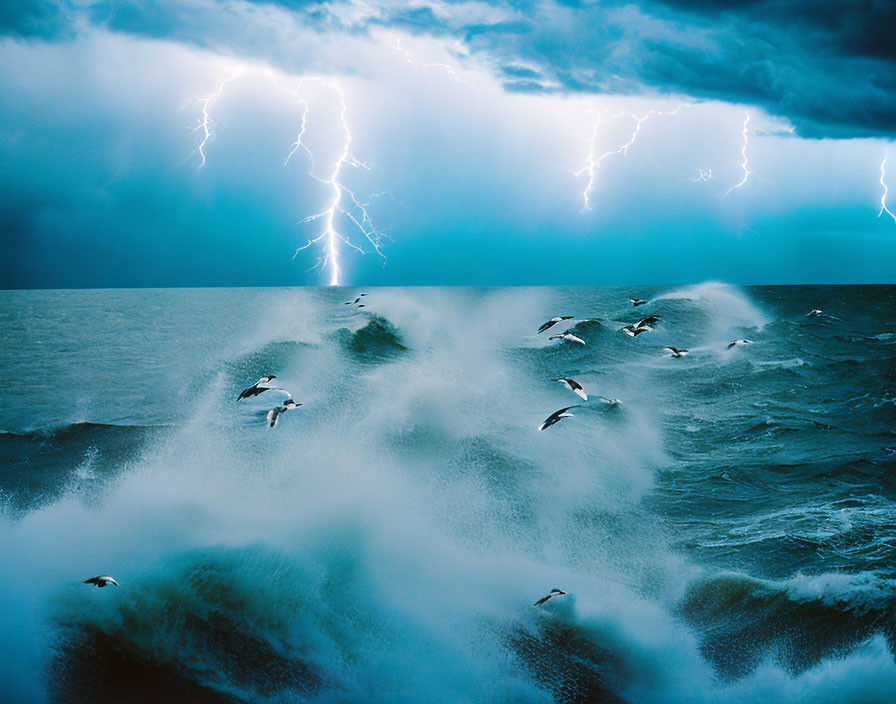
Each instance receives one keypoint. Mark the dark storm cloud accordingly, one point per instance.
(31, 18)
(829, 67)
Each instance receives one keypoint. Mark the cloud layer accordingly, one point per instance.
(481, 126)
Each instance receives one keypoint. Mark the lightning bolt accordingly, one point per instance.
(883, 197)
(593, 163)
(205, 125)
(445, 67)
(744, 164)
(342, 200)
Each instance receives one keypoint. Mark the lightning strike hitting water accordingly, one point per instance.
(883, 197)
(745, 162)
(593, 163)
(342, 200)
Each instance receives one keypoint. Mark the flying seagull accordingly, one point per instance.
(101, 581)
(642, 325)
(258, 387)
(556, 416)
(553, 321)
(554, 592)
(633, 331)
(676, 352)
(573, 386)
(274, 413)
(609, 401)
(739, 342)
(357, 300)
(568, 336)
(813, 313)
(637, 302)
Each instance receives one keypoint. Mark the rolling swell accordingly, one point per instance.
(39, 465)
(722, 533)
(218, 624)
(376, 341)
(744, 621)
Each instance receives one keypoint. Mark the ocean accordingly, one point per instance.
(724, 533)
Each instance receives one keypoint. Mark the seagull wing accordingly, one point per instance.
(555, 417)
(547, 325)
(649, 320)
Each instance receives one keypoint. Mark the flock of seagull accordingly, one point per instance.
(632, 330)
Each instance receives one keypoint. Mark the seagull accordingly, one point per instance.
(361, 306)
(554, 592)
(609, 401)
(573, 386)
(633, 331)
(360, 296)
(814, 312)
(739, 342)
(553, 321)
(637, 302)
(642, 325)
(556, 416)
(101, 581)
(676, 352)
(568, 336)
(257, 388)
(274, 413)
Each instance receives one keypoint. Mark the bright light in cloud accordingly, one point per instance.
(342, 200)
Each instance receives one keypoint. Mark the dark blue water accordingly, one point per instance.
(724, 533)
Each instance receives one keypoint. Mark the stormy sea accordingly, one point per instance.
(723, 523)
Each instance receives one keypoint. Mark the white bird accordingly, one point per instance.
(568, 336)
(573, 386)
(609, 401)
(554, 592)
(814, 312)
(101, 581)
(258, 387)
(637, 302)
(556, 416)
(274, 413)
(739, 342)
(676, 352)
(553, 321)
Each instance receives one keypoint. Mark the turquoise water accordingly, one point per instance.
(724, 533)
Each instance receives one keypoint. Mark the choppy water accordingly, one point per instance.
(726, 533)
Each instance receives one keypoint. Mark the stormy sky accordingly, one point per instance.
(228, 142)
